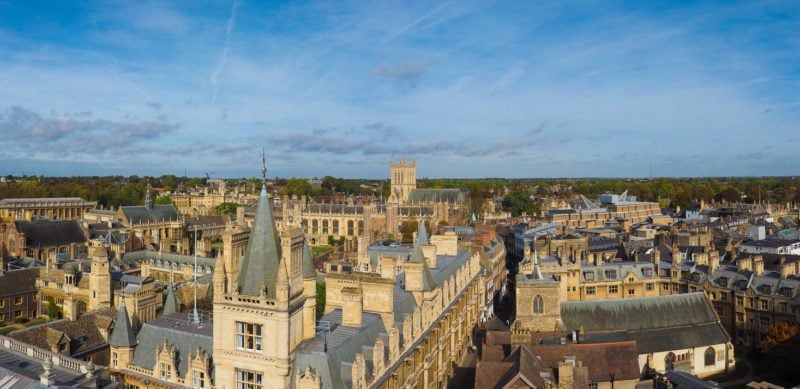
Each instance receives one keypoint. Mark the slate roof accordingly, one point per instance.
(656, 323)
(438, 195)
(260, 263)
(123, 335)
(15, 282)
(308, 261)
(138, 214)
(185, 336)
(165, 259)
(21, 371)
(619, 359)
(343, 343)
(50, 232)
(422, 233)
(171, 304)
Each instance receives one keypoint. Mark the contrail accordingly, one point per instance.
(228, 29)
(416, 21)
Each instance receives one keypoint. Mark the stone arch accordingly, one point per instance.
(669, 361)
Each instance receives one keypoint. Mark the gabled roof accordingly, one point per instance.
(123, 335)
(260, 265)
(50, 232)
(137, 214)
(185, 336)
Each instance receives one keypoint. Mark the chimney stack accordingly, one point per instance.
(351, 307)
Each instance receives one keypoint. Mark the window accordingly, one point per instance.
(590, 290)
(764, 305)
(325, 227)
(248, 379)
(2, 302)
(611, 274)
(723, 296)
(248, 336)
(538, 305)
(751, 302)
(665, 286)
(18, 313)
(114, 357)
(711, 356)
(335, 227)
(588, 276)
(198, 380)
(314, 227)
(18, 300)
(647, 272)
(165, 371)
(649, 286)
(739, 300)
(764, 321)
(350, 227)
(631, 292)
(593, 385)
(630, 279)
(720, 355)
(613, 289)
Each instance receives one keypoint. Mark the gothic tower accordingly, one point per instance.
(259, 316)
(99, 279)
(403, 178)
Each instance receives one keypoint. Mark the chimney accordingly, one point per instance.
(758, 265)
(598, 259)
(429, 251)
(351, 307)
(387, 268)
(745, 264)
(656, 255)
(788, 269)
(713, 262)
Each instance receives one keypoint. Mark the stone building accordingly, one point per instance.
(45, 240)
(18, 296)
(76, 287)
(153, 226)
(52, 208)
(675, 331)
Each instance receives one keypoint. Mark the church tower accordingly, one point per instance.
(99, 279)
(403, 178)
(259, 316)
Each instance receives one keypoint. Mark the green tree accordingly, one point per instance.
(226, 208)
(297, 186)
(518, 202)
(52, 309)
(320, 299)
(163, 200)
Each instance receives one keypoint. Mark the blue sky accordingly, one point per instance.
(472, 89)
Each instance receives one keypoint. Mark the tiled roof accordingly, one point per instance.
(20, 281)
(84, 333)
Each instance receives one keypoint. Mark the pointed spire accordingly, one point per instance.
(308, 260)
(171, 305)
(259, 267)
(123, 335)
(422, 233)
(148, 202)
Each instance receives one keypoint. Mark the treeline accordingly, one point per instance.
(118, 190)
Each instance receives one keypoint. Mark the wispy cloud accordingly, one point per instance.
(228, 30)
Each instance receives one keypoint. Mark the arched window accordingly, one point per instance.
(538, 305)
(324, 227)
(350, 227)
(360, 227)
(314, 227)
(711, 356)
(669, 362)
(12, 247)
(335, 227)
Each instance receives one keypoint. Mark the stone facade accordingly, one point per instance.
(54, 208)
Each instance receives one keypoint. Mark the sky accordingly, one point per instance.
(471, 89)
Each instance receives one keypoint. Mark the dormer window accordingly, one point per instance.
(588, 276)
(722, 281)
(647, 272)
(611, 274)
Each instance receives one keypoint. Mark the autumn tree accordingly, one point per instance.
(780, 334)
